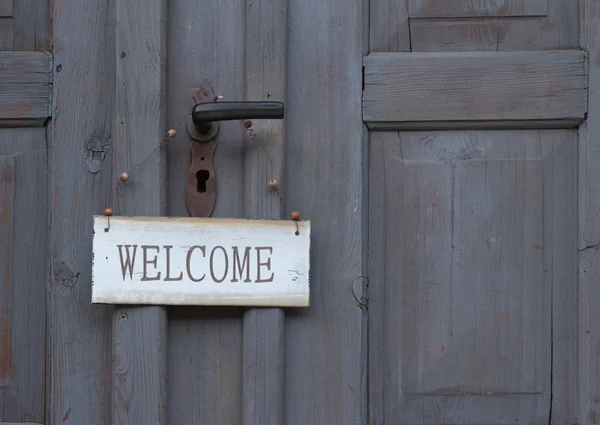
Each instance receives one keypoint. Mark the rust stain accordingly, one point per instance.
(67, 415)
(7, 177)
(593, 417)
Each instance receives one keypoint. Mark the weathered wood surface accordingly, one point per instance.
(263, 395)
(23, 231)
(389, 29)
(559, 30)
(589, 227)
(6, 34)
(195, 261)
(32, 26)
(470, 8)
(26, 87)
(79, 344)
(325, 379)
(6, 8)
(205, 344)
(471, 238)
(434, 88)
(140, 333)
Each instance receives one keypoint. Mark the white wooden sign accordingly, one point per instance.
(200, 261)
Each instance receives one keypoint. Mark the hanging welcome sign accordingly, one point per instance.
(200, 261)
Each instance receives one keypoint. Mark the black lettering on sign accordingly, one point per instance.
(129, 262)
(267, 263)
(212, 268)
(240, 266)
(169, 278)
(145, 249)
(188, 262)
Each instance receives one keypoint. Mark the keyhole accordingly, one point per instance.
(202, 176)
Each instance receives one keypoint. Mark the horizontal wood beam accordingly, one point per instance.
(474, 89)
(25, 87)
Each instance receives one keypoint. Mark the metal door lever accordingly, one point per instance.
(203, 127)
(203, 114)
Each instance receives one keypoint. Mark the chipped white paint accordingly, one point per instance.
(201, 261)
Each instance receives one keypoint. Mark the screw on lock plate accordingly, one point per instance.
(203, 127)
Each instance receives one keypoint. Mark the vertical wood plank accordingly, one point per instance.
(589, 225)
(140, 333)
(263, 329)
(6, 34)
(560, 248)
(24, 398)
(206, 44)
(80, 333)
(7, 198)
(324, 356)
(6, 8)
(389, 27)
(32, 25)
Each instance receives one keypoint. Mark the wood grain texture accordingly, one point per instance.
(22, 393)
(263, 395)
(389, 28)
(79, 344)
(325, 379)
(476, 86)
(469, 245)
(205, 344)
(32, 24)
(7, 196)
(589, 227)
(559, 30)
(26, 86)
(6, 8)
(560, 153)
(470, 8)
(6, 34)
(140, 333)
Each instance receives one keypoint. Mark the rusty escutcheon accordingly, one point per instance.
(203, 127)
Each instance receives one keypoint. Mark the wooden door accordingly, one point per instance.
(25, 95)
(480, 211)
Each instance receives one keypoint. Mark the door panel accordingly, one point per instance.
(468, 247)
(23, 270)
(467, 8)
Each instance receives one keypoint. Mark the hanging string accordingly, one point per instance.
(273, 183)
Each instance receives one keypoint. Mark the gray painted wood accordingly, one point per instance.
(32, 27)
(389, 29)
(25, 84)
(24, 161)
(470, 262)
(560, 153)
(140, 332)
(325, 379)
(264, 329)
(469, 8)
(6, 34)
(559, 30)
(79, 343)
(7, 194)
(206, 43)
(589, 228)
(6, 8)
(474, 86)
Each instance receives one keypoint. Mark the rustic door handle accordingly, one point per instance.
(203, 127)
(205, 113)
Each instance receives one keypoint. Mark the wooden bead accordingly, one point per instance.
(273, 184)
(295, 215)
(171, 133)
(108, 212)
(124, 177)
